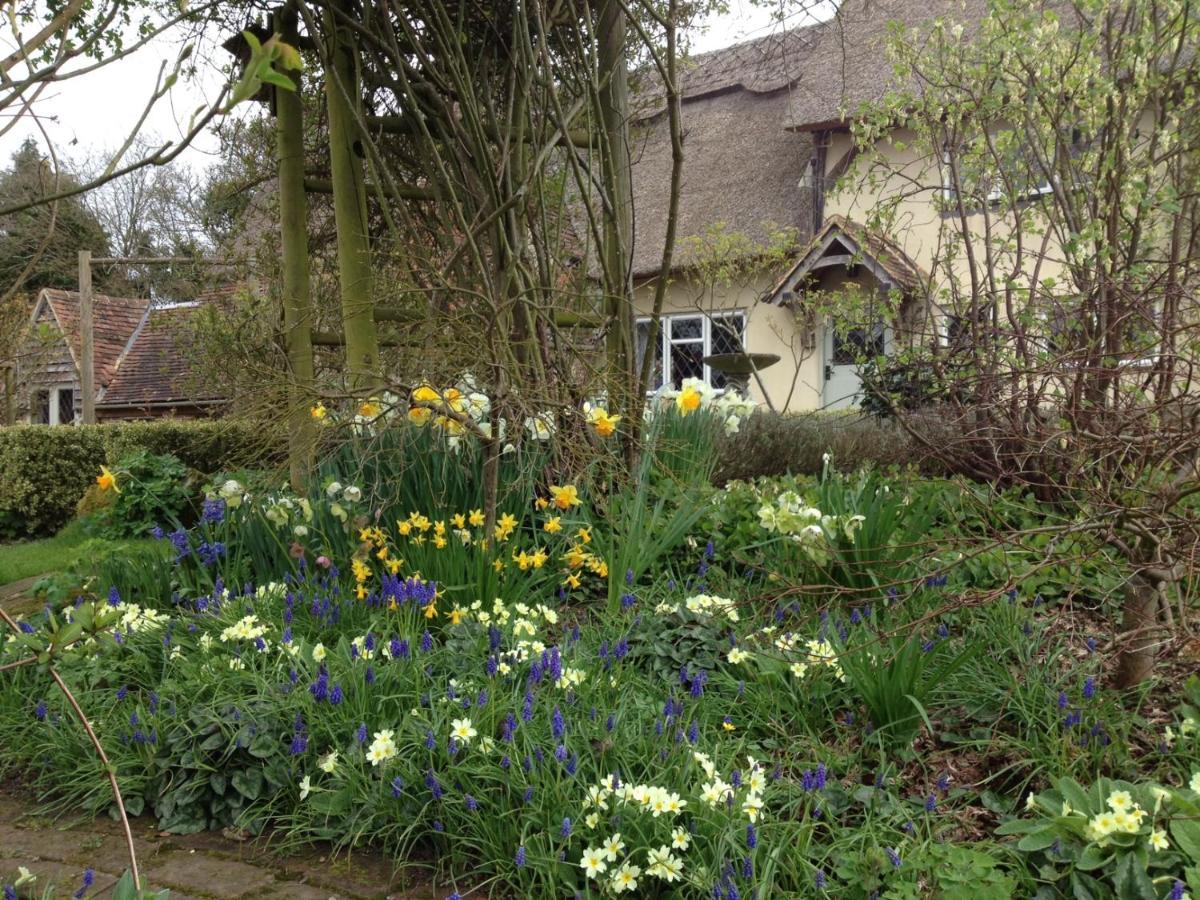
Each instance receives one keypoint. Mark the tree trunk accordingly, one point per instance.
(343, 97)
(618, 212)
(1139, 624)
(297, 303)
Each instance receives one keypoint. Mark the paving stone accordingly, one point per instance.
(294, 891)
(225, 879)
(197, 867)
(65, 875)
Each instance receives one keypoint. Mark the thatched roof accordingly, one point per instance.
(759, 66)
(849, 66)
(741, 167)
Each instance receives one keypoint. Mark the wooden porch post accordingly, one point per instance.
(87, 350)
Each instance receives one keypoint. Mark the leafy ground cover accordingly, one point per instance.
(637, 683)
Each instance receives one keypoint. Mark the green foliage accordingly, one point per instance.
(881, 529)
(48, 235)
(896, 677)
(1114, 840)
(151, 491)
(48, 469)
(652, 513)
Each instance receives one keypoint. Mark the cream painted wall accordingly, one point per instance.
(921, 230)
(794, 383)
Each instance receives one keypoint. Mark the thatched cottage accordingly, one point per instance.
(765, 139)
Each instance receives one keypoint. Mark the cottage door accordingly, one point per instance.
(847, 346)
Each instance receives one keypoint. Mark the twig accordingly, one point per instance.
(108, 768)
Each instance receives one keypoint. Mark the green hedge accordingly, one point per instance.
(44, 470)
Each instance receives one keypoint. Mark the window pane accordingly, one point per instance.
(850, 346)
(727, 334)
(685, 327)
(686, 362)
(41, 407)
(656, 373)
(66, 406)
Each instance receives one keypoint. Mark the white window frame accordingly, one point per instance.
(995, 194)
(55, 393)
(705, 339)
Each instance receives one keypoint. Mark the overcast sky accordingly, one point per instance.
(96, 112)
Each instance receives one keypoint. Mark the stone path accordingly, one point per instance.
(194, 867)
(15, 596)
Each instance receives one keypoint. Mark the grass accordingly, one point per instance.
(27, 559)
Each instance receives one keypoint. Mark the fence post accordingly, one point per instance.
(87, 347)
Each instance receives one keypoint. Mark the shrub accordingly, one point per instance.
(772, 444)
(46, 470)
(152, 490)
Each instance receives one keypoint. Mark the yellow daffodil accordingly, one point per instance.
(505, 527)
(553, 525)
(605, 425)
(420, 415)
(565, 496)
(318, 412)
(107, 480)
(431, 611)
(476, 518)
(369, 409)
(575, 557)
(572, 582)
(459, 521)
(689, 400)
(456, 615)
(541, 502)
(584, 535)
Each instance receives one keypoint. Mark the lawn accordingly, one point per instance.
(28, 559)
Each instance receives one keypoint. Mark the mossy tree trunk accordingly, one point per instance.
(343, 95)
(297, 301)
(617, 246)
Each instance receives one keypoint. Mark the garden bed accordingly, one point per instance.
(829, 686)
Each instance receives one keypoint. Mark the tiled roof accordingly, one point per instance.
(157, 369)
(892, 261)
(114, 322)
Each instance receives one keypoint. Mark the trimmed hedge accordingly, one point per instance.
(793, 444)
(45, 470)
